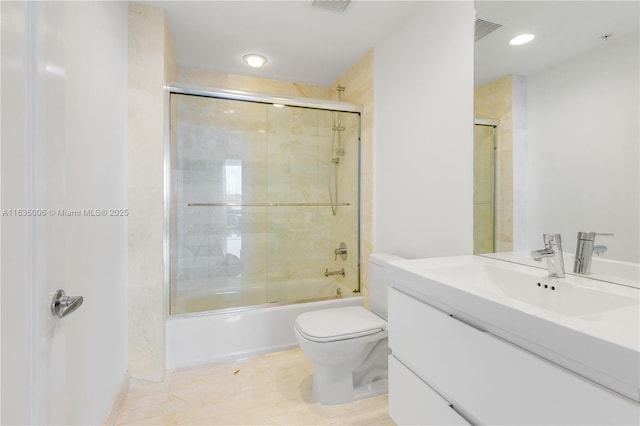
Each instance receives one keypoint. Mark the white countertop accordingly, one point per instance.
(589, 326)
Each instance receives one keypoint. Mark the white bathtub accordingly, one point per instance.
(209, 336)
(204, 299)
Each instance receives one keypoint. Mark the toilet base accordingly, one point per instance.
(334, 388)
(334, 384)
(379, 387)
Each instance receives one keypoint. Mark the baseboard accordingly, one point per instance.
(112, 417)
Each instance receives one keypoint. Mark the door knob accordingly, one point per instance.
(62, 305)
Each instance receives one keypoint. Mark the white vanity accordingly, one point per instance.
(475, 340)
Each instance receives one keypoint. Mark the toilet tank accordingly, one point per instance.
(378, 282)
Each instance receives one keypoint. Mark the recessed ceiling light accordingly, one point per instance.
(521, 39)
(255, 60)
(279, 105)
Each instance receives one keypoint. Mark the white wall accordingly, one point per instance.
(65, 99)
(423, 80)
(16, 309)
(96, 162)
(582, 164)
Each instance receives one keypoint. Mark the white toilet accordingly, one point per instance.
(348, 346)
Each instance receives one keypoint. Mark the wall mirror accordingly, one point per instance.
(557, 130)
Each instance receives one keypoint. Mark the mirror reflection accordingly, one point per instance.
(557, 133)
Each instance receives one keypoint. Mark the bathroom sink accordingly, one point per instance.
(588, 326)
(534, 288)
(603, 269)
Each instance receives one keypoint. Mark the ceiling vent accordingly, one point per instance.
(483, 28)
(332, 5)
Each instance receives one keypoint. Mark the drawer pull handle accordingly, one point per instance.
(470, 324)
(465, 418)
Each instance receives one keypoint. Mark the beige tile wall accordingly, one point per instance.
(495, 101)
(151, 63)
(218, 80)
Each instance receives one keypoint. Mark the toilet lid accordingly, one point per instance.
(339, 324)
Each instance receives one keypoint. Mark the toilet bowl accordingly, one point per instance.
(348, 346)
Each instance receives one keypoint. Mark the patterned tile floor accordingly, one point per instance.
(270, 389)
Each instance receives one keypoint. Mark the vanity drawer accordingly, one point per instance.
(491, 380)
(413, 402)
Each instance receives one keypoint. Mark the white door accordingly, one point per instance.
(64, 111)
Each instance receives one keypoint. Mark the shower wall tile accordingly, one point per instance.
(252, 84)
(146, 357)
(495, 101)
(151, 63)
(145, 245)
(146, 46)
(145, 162)
(170, 63)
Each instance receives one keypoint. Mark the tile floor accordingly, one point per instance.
(270, 389)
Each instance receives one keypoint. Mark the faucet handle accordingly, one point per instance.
(599, 250)
(552, 239)
(591, 236)
(341, 251)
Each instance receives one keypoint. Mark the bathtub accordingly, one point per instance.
(193, 339)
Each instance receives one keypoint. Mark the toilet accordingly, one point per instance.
(349, 346)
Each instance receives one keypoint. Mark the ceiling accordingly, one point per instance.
(309, 45)
(303, 43)
(563, 29)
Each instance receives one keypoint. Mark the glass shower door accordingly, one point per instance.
(304, 161)
(251, 213)
(218, 251)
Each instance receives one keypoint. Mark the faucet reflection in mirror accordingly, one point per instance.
(552, 251)
(585, 250)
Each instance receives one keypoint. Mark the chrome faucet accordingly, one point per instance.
(585, 250)
(341, 251)
(552, 251)
(328, 273)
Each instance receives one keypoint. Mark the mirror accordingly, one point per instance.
(564, 109)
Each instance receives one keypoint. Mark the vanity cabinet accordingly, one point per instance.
(416, 403)
(439, 362)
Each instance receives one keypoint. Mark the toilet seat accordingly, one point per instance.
(335, 324)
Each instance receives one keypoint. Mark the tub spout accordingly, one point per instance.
(328, 273)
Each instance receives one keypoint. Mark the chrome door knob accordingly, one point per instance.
(62, 305)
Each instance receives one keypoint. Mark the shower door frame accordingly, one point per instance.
(263, 98)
